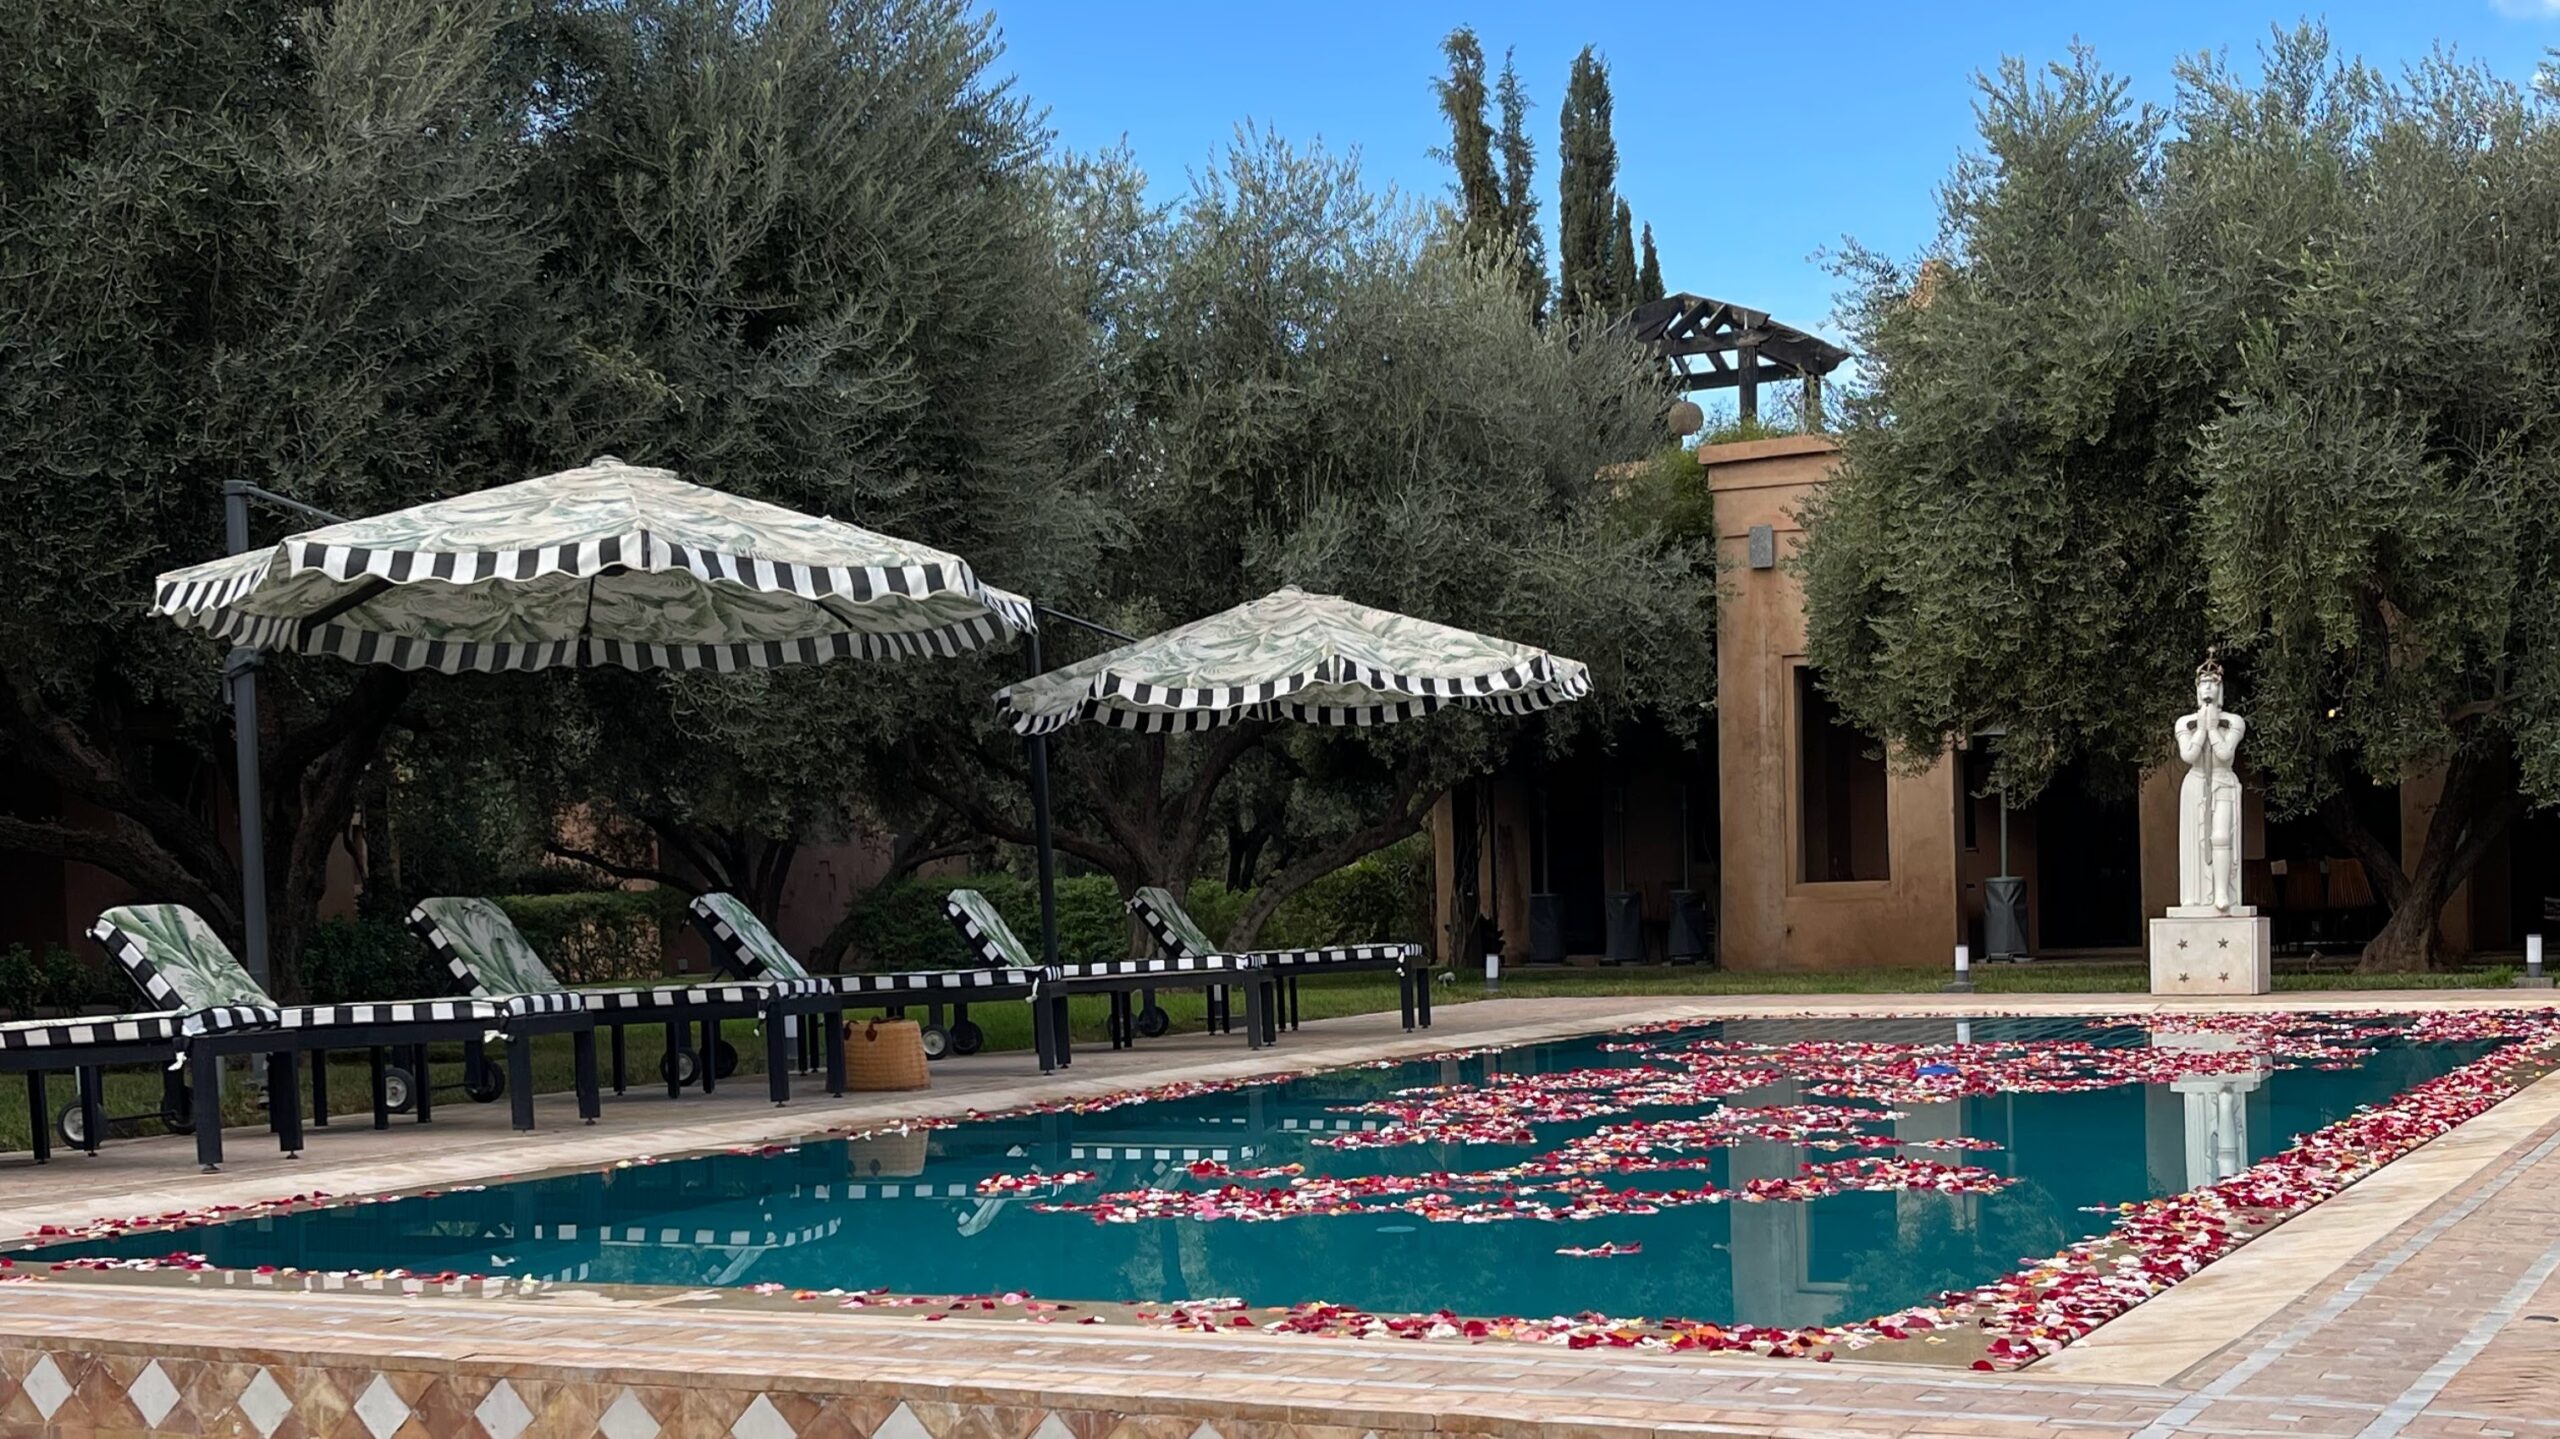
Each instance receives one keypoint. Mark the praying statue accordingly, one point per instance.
(2209, 800)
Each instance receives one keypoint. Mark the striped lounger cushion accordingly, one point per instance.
(82, 1031)
(677, 996)
(933, 982)
(179, 961)
(1341, 954)
(414, 1011)
(1168, 967)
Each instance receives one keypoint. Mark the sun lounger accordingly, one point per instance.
(86, 1046)
(180, 962)
(987, 934)
(743, 946)
(484, 949)
(1178, 934)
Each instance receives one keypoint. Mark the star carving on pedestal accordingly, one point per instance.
(2182, 977)
(2182, 944)
(2225, 976)
(2226, 944)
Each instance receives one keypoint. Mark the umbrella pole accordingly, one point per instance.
(241, 669)
(1036, 752)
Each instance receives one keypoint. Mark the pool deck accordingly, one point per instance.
(2421, 1302)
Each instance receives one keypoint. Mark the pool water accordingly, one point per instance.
(1678, 1156)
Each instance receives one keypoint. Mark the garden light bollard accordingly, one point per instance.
(1492, 971)
(1964, 971)
(2533, 977)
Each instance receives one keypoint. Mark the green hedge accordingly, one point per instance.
(346, 960)
(36, 982)
(599, 935)
(1385, 896)
(901, 925)
(585, 936)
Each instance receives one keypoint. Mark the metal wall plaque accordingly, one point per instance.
(1764, 547)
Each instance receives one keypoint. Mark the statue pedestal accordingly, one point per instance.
(2212, 953)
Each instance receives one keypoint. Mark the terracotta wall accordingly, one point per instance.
(1771, 918)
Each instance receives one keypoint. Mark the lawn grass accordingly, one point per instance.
(1008, 1026)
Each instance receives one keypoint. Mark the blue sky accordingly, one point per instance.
(1752, 137)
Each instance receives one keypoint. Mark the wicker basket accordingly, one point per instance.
(887, 1156)
(886, 1054)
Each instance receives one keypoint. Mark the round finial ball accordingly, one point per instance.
(1686, 418)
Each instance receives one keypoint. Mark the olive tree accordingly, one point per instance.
(2271, 370)
(1307, 384)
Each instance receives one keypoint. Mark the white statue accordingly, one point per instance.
(2209, 801)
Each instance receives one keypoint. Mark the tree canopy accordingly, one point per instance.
(2271, 370)
(811, 251)
(1315, 387)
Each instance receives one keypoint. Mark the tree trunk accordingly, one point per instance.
(2477, 804)
(168, 851)
(1404, 816)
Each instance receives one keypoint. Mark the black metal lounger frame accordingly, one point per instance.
(684, 1009)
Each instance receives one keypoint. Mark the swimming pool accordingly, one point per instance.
(1736, 1183)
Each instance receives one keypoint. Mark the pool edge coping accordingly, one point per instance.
(2167, 1337)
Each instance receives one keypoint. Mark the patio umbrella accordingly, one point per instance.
(606, 564)
(610, 563)
(1288, 655)
(1294, 655)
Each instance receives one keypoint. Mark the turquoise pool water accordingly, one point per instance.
(2061, 1117)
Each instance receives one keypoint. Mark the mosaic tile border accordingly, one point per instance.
(161, 1391)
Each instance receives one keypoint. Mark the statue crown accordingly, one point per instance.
(2212, 666)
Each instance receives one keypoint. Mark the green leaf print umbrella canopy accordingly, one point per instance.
(610, 563)
(1294, 655)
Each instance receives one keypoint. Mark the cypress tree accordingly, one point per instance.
(1481, 215)
(1649, 278)
(1586, 186)
(1622, 265)
(1519, 193)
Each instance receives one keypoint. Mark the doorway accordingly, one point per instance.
(2089, 862)
(1567, 853)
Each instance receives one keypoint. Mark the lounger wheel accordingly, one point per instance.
(725, 1055)
(1153, 1021)
(679, 1067)
(967, 1037)
(493, 1083)
(399, 1089)
(72, 1123)
(937, 1041)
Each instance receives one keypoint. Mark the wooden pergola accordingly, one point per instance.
(1741, 348)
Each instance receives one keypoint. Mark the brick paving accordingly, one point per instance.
(2445, 1322)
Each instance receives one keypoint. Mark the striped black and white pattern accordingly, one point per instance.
(556, 1001)
(370, 647)
(623, 1002)
(1170, 965)
(1169, 938)
(936, 983)
(218, 1019)
(395, 1012)
(82, 1031)
(1400, 955)
(555, 542)
(983, 944)
(730, 952)
(1150, 709)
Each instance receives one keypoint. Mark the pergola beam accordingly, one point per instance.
(1743, 348)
